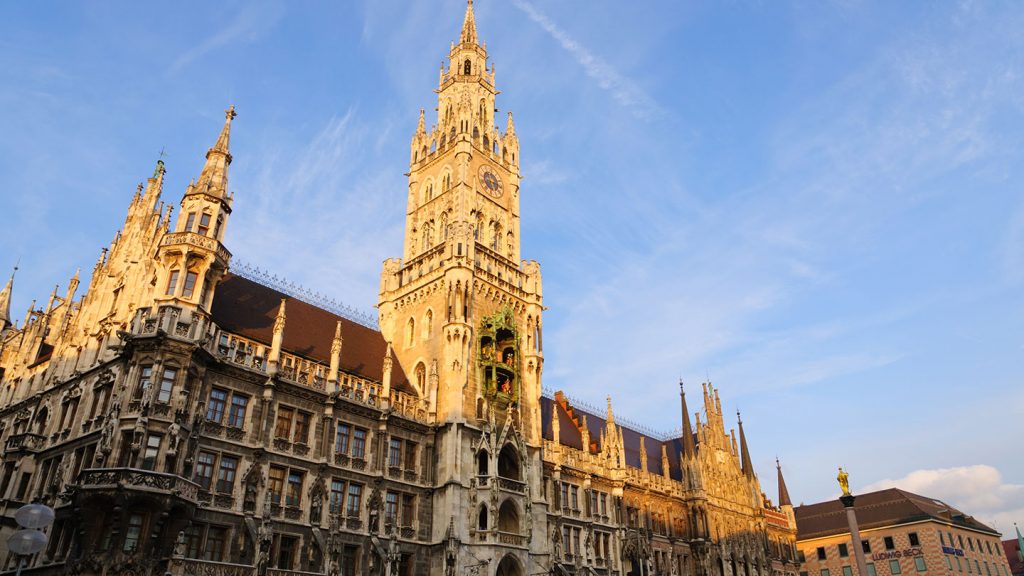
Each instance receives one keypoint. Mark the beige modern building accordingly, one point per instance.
(901, 533)
(188, 416)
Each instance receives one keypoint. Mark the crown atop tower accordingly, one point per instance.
(468, 35)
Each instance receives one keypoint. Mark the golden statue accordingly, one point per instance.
(844, 481)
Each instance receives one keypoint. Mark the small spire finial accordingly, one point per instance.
(230, 112)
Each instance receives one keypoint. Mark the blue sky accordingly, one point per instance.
(818, 204)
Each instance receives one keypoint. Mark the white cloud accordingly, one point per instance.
(977, 490)
(251, 22)
(624, 90)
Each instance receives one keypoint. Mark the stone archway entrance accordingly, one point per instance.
(509, 566)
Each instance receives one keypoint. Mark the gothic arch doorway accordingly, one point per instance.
(509, 566)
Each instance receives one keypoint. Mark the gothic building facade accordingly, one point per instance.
(186, 417)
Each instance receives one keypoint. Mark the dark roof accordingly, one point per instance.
(1012, 550)
(249, 309)
(570, 433)
(876, 510)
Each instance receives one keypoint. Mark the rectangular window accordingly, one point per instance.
(988, 546)
(145, 381)
(574, 495)
(866, 546)
(286, 552)
(193, 540)
(204, 224)
(190, 221)
(959, 565)
(275, 484)
(821, 553)
(942, 538)
(284, 422)
(226, 475)
(391, 508)
(151, 452)
(236, 417)
(844, 550)
(408, 509)
(847, 571)
(355, 494)
(919, 564)
(593, 502)
(341, 439)
(215, 405)
(395, 453)
(565, 495)
(871, 569)
(894, 567)
(410, 455)
(949, 563)
(294, 489)
(166, 385)
(301, 427)
(889, 544)
(358, 443)
(216, 536)
(134, 533)
(960, 537)
(190, 284)
(337, 496)
(914, 540)
(824, 572)
(172, 283)
(204, 470)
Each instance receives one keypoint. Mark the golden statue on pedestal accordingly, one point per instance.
(844, 481)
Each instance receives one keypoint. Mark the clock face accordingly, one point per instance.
(490, 181)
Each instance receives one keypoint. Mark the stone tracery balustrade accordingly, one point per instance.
(116, 478)
(191, 567)
(176, 238)
(26, 441)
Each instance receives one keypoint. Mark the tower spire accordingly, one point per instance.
(784, 499)
(468, 35)
(748, 468)
(213, 180)
(689, 449)
(5, 301)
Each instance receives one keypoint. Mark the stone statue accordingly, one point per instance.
(173, 437)
(844, 481)
(179, 545)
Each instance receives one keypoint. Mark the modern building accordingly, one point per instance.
(189, 416)
(901, 533)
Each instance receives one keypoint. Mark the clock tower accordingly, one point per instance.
(462, 311)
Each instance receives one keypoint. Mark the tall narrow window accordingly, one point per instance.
(301, 428)
(172, 282)
(467, 67)
(216, 536)
(355, 493)
(341, 439)
(190, 222)
(151, 452)
(236, 417)
(134, 533)
(226, 474)
(215, 405)
(391, 508)
(284, 422)
(359, 443)
(395, 453)
(190, 284)
(204, 224)
(337, 496)
(275, 484)
(294, 497)
(204, 470)
(145, 380)
(166, 385)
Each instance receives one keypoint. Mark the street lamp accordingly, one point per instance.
(30, 539)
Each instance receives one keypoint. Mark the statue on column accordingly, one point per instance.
(844, 481)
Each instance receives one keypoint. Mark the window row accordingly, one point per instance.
(402, 453)
(164, 378)
(226, 467)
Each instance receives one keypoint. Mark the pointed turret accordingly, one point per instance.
(643, 454)
(336, 343)
(784, 499)
(689, 450)
(5, 302)
(274, 358)
(748, 468)
(386, 378)
(511, 129)
(213, 180)
(421, 126)
(468, 35)
(611, 415)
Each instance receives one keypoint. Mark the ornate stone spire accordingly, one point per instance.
(213, 180)
(5, 301)
(689, 449)
(748, 468)
(421, 126)
(468, 35)
(332, 374)
(274, 359)
(611, 416)
(784, 499)
(643, 454)
(511, 129)
(386, 379)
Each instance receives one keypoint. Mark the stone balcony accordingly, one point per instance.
(120, 479)
(26, 442)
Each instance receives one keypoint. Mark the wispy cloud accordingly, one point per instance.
(977, 490)
(252, 21)
(623, 90)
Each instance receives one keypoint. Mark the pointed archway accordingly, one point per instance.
(509, 566)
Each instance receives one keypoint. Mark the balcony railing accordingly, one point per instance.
(26, 441)
(511, 539)
(144, 480)
(190, 567)
(512, 485)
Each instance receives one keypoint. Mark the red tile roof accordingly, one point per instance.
(249, 309)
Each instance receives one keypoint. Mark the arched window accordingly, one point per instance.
(496, 238)
(41, 418)
(476, 133)
(446, 182)
(451, 134)
(482, 521)
(508, 517)
(467, 67)
(444, 226)
(421, 377)
(482, 463)
(428, 324)
(444, 139)
(433, 146)
(487, 142)
(410, 333)
(508, 462)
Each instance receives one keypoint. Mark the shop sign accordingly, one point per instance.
(908, 553)
(953, 551)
